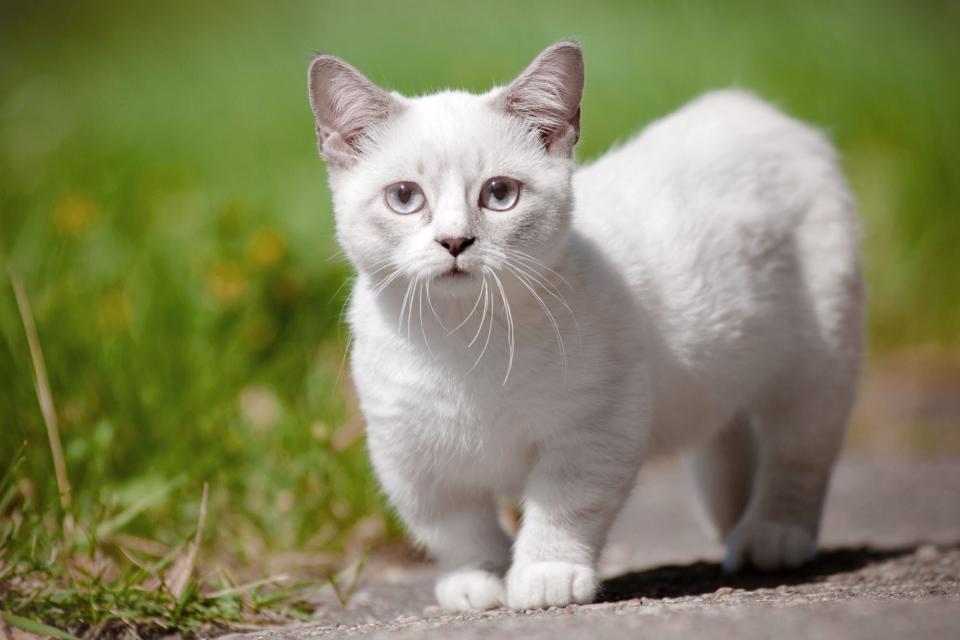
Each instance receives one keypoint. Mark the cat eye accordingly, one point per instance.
(404, 197)
(500, 194)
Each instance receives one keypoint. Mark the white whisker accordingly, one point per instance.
(383, 284)
(533, 265)
(423, 331)
(470, 315)
(483, 314)
(543, 305)
(509, 315)
(416, 283)
(340, 288)
(336, 254)
(343, 360)
(489, 328)
(537, 278)
(403, 305)
(434, 311)
(516, 253)
(541, 280)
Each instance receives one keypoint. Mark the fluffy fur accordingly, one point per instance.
(696, 288)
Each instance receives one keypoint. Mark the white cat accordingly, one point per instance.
(523, 327)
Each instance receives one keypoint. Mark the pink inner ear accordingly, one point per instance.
(345, 104)
(547, 94)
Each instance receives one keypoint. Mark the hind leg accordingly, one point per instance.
(723, 470)
(799, 433)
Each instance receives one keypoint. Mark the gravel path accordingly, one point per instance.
(890, 568)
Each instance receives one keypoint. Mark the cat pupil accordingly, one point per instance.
(403, 194)
(499, 190)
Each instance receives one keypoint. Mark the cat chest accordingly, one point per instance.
(454, 432)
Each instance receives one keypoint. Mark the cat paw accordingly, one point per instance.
(547, 584)
(768, 546)
(470, 590)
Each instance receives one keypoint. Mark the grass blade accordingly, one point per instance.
(32, 626)
(183, 570)
(44, 396)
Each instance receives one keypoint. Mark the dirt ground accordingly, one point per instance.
(889, 568)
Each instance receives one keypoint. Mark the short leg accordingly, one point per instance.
(723, 469)
(460, 530)
(456, 524)
(472, 552)
(571, 499)
(799, 436)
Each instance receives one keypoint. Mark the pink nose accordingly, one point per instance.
(456, 246)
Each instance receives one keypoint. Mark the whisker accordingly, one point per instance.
(510, 334)
(343, 360)
(380, 266)
(532, 264)
(403, 305)
(469, 315)
(489, 328)
(552, 291)
(536, 261)
(340, 288)
(423, 331)
(434, 311)
(416, 283)
(543, 305)
(343, 309)
(483, 314)
(336, 254)
(387, 280)
(541, 280)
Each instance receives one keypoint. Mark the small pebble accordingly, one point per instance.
(722, 591)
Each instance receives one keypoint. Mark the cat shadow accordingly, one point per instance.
(698, 578)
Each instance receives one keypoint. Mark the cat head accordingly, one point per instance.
(448, 186)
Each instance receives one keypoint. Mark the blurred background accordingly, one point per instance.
(162, 201)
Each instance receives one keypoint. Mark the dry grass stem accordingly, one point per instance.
(44, 395)
(183, 570)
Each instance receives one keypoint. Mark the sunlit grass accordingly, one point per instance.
(62, 578)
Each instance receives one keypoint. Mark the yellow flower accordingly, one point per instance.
(227, 282)
(73, 214)
(114, 311)
(266, 248)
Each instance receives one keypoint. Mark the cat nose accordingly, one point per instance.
(456, 246)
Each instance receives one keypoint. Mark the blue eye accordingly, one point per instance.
(404, 197)
(500, 194)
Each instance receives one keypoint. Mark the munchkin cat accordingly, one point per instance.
(525, 327)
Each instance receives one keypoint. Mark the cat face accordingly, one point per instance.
(447, 186)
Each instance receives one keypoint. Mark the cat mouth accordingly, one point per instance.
(455, 272)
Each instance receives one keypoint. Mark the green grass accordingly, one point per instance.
(161, 199)
(81, 580)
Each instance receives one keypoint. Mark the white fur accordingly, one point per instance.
(703, 292)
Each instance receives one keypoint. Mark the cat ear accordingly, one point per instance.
(345, 105)
(547, 95)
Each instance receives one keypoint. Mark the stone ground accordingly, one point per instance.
(889, 568)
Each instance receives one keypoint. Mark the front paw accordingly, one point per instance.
(768, 546)
(547, 584)
(470, 590)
